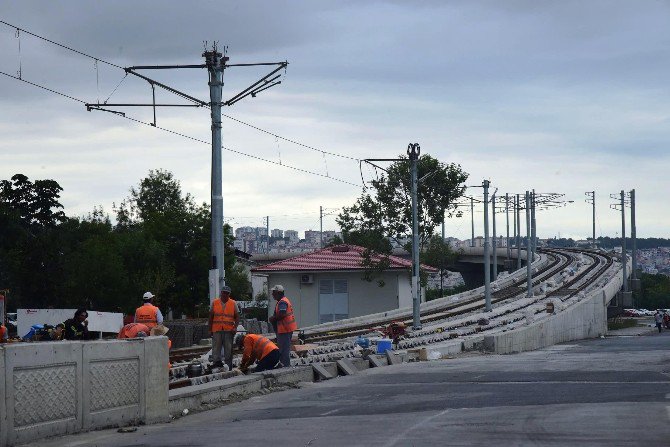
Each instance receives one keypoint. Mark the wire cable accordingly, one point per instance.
(164, 129)
(97, 59)
(59, 44)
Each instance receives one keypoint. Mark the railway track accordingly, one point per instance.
(463, 318)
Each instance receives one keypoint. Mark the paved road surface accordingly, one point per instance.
(608, 392)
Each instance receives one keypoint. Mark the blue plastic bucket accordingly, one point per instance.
(383, 345)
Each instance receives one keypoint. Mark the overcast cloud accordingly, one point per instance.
(566, 97)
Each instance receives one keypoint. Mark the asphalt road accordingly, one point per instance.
(609, 392)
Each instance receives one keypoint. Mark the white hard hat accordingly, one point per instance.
(147, 296)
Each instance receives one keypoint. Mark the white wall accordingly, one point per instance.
(364, 297)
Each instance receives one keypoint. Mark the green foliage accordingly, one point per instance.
(385, 213)
(160, 243)
(433, 294)
(654, 292)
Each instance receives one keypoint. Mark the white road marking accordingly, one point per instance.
(330, 412)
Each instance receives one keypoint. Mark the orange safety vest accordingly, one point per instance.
(257, 347)
(3, 333)
(224, 316)
(130, 330)
(147, 315)
(286, 324)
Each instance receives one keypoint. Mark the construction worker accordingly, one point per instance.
(3, 334)
(257, 348)
(223, 321)
(147, 313)
(134, 330)
(284, 323)
(77, 328)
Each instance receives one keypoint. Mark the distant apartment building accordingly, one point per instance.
(242, 231)
(292, 236)
(277, 233)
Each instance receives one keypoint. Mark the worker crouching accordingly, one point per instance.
(257, 348)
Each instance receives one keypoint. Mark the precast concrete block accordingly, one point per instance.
(157, 358)
(393, 358)
(113, 383)
(359, 363)
(321, 372)
(377, 361)
(43, 390)
(346, 367)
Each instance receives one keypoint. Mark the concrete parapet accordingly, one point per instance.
(289, 376)
(56, 388)
(212, 392)
(585, 319)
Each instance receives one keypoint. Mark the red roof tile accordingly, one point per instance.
(339, 257)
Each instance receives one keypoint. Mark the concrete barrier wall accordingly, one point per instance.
(585, 319)
(56, 388)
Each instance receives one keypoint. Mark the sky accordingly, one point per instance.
(561, 97)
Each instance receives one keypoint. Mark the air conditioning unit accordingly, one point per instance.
(306, 279)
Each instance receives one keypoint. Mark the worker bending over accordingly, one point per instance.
(257, 348)
(147, 313)
(134, 330)
(284, 323)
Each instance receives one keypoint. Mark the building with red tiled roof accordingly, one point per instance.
(328, 284)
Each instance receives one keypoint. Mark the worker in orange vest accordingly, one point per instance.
(257, 348)
(223, 321)
(284, 323)
(147, 313)
(134, 330)
(3, 334)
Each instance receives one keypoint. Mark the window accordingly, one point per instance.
(333, 300)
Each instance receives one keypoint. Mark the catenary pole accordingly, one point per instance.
(529, 272)
(533, 222)
(623, 241)
(413, 151)
(321, 226)
(494, 239)
(518, 232)
(507, 219)
(487, 253)
(215, 66)
(472, 220)
(267, 236)
(633, 233)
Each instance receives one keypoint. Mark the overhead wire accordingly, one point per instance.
(174, 132)
(97, 59)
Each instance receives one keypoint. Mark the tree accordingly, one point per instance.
(439, 254)
(385, 213)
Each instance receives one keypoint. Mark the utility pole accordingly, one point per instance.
(321, 225)
(472, 219)
(623, 241)
(413, 151)
(591, 198)
(487, 254)
(215, 66)
(442, 259)
(494, 240)
(518, 232)
(633, 234)
(533, 243)
(267, 223)
(215, 63)
(507, 218)
(529, 272)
